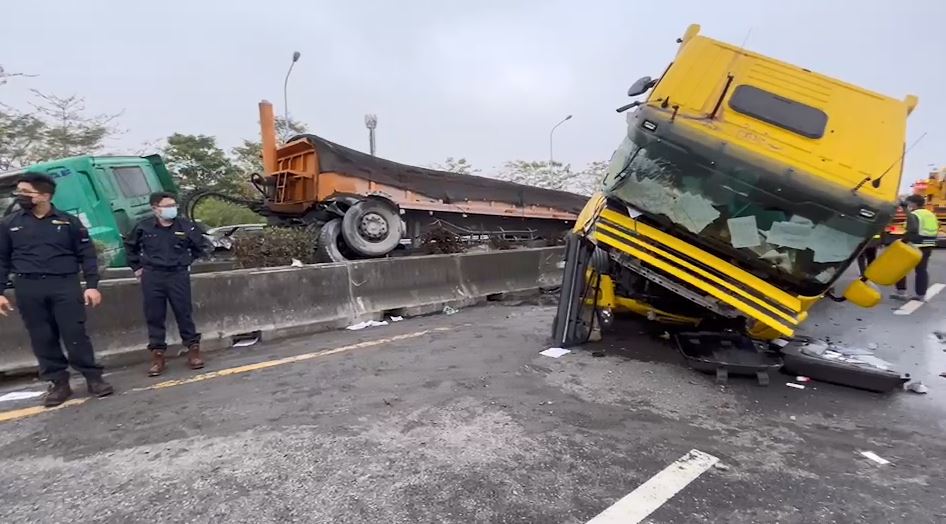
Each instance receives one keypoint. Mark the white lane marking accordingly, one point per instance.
(638, 504)
(909, 307)
(933, 291)
(914, 305)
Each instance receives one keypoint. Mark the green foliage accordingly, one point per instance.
(19, 134)
(456, 165)
(276, 246)
(197, 163)
(213, 213)
(555, 176)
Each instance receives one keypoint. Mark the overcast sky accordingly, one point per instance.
(485, 80)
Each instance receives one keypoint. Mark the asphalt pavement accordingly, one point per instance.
(458, 418)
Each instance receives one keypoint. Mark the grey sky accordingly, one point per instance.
(485, 80)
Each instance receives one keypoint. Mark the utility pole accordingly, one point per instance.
(371, 122)
(551, 145)
(285, 85)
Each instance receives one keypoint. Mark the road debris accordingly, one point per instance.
(802, 379)
(918, 387)
(447, 310)
(396, 319)
(794, 385)
(876, 458)
(366, 324)
(555, 352)
(296, 263)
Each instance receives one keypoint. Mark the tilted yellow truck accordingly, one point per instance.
(744, 188)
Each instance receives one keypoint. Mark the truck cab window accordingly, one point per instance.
(132, 181)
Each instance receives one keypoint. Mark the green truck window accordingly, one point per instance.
(131, 181)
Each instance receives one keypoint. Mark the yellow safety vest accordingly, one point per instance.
(928, 226)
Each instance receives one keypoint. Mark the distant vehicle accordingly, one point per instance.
(222, 238)
(109, 194)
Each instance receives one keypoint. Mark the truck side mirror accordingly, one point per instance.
(862, 293)
(641, 86)
(893, 264)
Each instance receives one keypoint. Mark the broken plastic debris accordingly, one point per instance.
(296, 263)
(396, 319)
(802, 379)
(780, 342)
(918, 388)
(875, 457)
(20, 395)
(245, 342)
(794, 385)
(447, 310)
(555, 352)
(366, 324)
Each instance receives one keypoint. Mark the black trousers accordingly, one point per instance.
(922, 274)
(161, 288)
(53, 309)
(866, 258)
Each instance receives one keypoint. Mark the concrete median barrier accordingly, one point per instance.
(279, 302)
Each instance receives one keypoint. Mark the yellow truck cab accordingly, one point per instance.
(743, 189)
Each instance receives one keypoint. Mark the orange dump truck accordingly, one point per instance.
(362, 206)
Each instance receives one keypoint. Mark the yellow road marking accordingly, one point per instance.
(16, 414)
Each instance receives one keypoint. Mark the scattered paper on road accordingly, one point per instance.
(876, 458)
(20, 395)
(366, 324)
(794, 385)
(555, 352)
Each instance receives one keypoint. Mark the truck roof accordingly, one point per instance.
(72, 160)
(835, 130)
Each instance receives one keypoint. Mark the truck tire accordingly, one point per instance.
(372, 228)
(328, 249)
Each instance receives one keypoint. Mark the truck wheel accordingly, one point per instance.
(372, 227)
(328, 249)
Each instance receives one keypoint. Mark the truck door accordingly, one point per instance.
(134, 184)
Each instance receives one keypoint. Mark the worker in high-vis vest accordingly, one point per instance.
(922, 229)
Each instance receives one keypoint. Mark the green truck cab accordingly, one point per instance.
(109, 194)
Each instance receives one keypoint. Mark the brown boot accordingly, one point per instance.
(157, 363)
(193, 357)
(98, 387)
(58, 392)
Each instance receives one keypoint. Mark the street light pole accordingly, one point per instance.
(285, 86)
(551, 136)
(371, 122)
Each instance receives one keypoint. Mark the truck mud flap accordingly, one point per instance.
(569, 327)
(818, 361)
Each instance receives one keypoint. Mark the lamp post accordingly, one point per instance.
(285, 86)
(551, 136)
(371, 122)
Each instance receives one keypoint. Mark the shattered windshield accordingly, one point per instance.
(737, 213)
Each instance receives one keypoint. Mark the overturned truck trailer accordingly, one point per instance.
(361, 206)
(742, 191)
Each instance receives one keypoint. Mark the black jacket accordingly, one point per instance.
(165, 248)
(57, 244)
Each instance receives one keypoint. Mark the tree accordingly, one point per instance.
(539, 174)
(248, 157)
(456, 165)
(68, 130)
(20, 134)
(197, 162)
(589, 179)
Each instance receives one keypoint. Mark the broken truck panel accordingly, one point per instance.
(744, 186)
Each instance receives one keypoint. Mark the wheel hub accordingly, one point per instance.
(373, 226)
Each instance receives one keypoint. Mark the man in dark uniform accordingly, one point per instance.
(160, 250)
(44, 249)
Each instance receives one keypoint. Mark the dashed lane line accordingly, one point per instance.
(914, 305)
(649, 496)
(16, 414)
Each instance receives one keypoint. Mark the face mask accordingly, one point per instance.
(168, 213)
(25, 202)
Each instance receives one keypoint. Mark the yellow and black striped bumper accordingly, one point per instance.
(745, 292)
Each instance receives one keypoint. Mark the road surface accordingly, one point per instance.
(458, 418)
